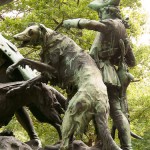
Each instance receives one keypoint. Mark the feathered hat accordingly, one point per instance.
(98, 4)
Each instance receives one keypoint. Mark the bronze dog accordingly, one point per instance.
(68, 66)
(43, 101)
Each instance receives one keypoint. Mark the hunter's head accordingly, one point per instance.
(109, 12)
(106, 9)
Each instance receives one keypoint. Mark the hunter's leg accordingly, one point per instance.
(121, 122)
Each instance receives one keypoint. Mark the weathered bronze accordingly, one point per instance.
(11, 143)
(8, 55)
(111, 48)
(76, 145)
(68, 66)
(99, 4)
(41, 99)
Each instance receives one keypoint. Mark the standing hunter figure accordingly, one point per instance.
(106, 51)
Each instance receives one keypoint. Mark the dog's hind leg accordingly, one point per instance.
(26, 122)
(103, 133)
(24, 119)
(58, 128)
(67, 130)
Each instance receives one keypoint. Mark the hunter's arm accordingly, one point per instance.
(130, 58)
(85, 24)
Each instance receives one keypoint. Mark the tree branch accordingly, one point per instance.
(3, 2)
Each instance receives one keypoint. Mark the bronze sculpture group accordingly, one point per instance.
(96, 82)
(109, 45)
(42, 100)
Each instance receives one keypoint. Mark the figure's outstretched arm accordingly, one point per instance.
(85, 24)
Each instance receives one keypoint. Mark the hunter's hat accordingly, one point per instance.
(98, 4)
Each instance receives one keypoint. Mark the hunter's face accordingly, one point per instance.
(103, 13)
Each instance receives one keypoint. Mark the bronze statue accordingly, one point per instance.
(8, 55)
(64, 63)
(110, 46)
(11, 143)
(43, 101)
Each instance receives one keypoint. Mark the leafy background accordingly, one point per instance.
(15, 16)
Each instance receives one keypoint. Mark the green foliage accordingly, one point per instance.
(51, 13)
(139, 98)
(46, 132)
(139, 107)
(142, 54)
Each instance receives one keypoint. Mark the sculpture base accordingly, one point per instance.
(11, 143)
(76, 145)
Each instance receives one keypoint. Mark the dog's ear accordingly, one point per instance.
(43, 28)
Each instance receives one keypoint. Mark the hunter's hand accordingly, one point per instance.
(71, 23)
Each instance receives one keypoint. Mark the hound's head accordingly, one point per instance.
(32, 35)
